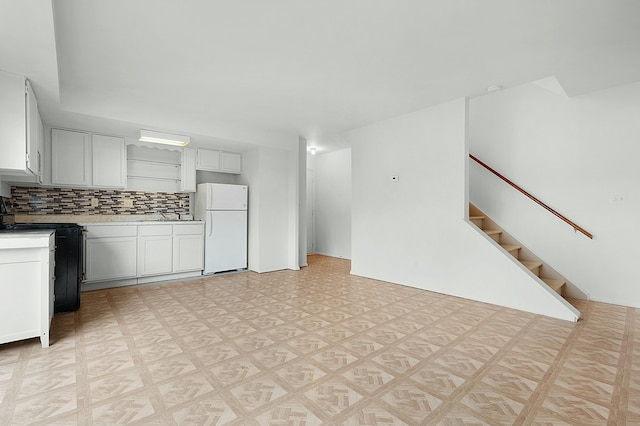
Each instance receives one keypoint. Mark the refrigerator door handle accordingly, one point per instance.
(210, 222)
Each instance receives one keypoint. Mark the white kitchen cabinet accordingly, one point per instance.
(208, 159)
(40, 153)
(81, 159)
(26, 288)
(70, 158)
(111, 252)
(155, 250)
(188, 247)
(109, 161)
(188, 170)
(219, 161)
(230, 162)
(19, 121)
(143, 252)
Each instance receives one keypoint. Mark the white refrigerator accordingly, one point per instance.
(223, 208)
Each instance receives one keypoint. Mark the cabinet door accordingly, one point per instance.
(12, 124)
(109, 163)
(208, 160)
(188, 171)
(70, 158)
(33, 133)
(40, 149)
(155, 255)
(110, 258)
(230, 162)
(188, 253)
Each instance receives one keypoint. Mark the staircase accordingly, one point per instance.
(546, 274)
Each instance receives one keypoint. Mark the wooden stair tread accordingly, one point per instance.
(554, 284)
(476, 217)
(531, 265)
(508, 247)
(492, 231)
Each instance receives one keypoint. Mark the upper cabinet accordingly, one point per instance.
(109, 161)
(81, 159)
(208, 159)
(188, 170)
(20, 127)
(70, 158)
(219, 161)
(230, 162)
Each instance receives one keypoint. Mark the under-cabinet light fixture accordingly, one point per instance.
(313, 150)
(164, 138)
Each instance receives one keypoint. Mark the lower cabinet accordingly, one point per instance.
(155, 250)
(188, 248)
(117, 255)
(26, 288)
(110, 252)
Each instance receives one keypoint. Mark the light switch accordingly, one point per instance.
(618, 198)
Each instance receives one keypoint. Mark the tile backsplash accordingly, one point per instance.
(40, 201)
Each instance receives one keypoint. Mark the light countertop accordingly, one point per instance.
(94, 219)
(143, 222)
(29, 238)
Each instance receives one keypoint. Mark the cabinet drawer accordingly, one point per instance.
(111, 231)
(151, 230)
(188, 229)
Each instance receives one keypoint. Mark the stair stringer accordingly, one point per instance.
(524, 291)
(571, 290)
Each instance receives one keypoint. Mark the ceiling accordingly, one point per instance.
(255, 72)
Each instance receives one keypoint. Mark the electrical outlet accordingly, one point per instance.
(395, 178)
(94, 202)
(128, 202)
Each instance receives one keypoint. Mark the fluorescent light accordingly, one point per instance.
(163, 138)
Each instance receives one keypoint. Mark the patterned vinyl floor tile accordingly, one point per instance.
(320, 347)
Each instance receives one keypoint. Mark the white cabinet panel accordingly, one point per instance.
(230, 162)
(109, 163)
(142, 252)
(26, 287)
(110, 258)
(188, 170)
(80, 159)
(33, 132)
(188, 247)
(19, 127)
(70, 158)
(12, 123)
(155, 250)
(208, 159)
(155, 255)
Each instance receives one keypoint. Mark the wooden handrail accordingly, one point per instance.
(543, 205)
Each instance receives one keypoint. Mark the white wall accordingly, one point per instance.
(267, 172)
(204, 176)
(302, 202)
(414, 231)
(573, 154)
(333, 203)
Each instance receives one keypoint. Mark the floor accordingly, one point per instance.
(319, 346)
